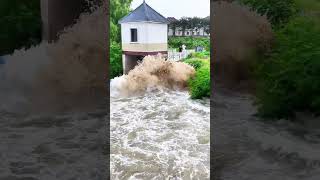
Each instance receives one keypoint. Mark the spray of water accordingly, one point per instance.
(153, 72)
(58, 75)
(235, 46)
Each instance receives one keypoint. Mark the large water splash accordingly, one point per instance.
(153, 72)
(70, 72)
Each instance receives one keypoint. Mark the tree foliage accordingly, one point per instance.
(115, 57)
(20, 24)
(190, 23)
(118, 9)
(190, 42)
(278, 11)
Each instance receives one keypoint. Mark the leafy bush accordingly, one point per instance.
(115, 60)
(199, 85)
(190, 42)
(197, 63)
(278, 12)
(20, 23)
(290, 78)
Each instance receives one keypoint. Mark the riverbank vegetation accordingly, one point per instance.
(289, 80)
(120, 8)
(199, 85)
(287, 76)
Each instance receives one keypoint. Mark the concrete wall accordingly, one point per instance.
(151, 37)
(141, 47)
(129, 62)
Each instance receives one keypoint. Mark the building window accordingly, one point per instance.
(134, 35)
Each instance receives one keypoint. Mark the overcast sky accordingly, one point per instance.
(178, 8)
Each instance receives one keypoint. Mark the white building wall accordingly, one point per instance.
(148, 33)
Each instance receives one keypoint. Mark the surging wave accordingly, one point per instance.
(65, 74)
(153, 72)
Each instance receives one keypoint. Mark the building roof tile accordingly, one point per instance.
(144, 13)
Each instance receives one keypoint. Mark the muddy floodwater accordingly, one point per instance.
(160, 135)
(245, 147)
(51, 147)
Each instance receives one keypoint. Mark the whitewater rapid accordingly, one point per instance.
(162, 134)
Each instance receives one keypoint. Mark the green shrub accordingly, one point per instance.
(20, 23)
(277, 11)
(190, 42)
(196, 63)
(199, 85)
(290, 78)
(115, 60)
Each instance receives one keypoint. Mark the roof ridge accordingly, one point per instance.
(144, 12)
(128, 14)
(156, 11)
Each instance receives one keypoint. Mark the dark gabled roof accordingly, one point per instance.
(144, 13)
(171, 19)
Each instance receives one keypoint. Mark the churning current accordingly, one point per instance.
(162, 134)
(157, 130)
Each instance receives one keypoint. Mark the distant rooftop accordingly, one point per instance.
(144, 13)
(171, 19)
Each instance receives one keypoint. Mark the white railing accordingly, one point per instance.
(173, 55)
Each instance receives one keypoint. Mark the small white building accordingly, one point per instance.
(143, 32)
(196, 32)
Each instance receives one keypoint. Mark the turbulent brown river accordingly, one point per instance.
(157, 131)
(160, 135)
(247, 148)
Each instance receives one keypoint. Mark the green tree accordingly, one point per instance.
(278, 12)
(20, 23)
(118, 9)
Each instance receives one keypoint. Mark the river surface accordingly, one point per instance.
(247, 148)
(52, 147)
(160, 135)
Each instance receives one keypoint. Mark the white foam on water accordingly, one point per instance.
(160, 135)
